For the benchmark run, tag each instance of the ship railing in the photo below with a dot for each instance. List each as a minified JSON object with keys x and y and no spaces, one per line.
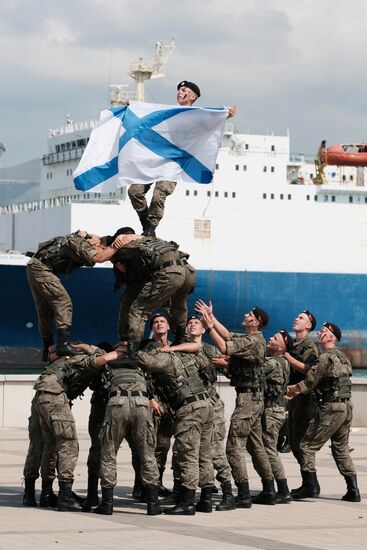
{"x":71,"y":127}
{"x":70,"y":154}
{"x":57,"y":202}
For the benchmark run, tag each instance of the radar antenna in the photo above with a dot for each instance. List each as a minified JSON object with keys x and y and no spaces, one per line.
{"x":152,"y":68}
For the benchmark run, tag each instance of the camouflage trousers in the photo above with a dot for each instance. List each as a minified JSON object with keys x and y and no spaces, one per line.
{"x":172,"y":284}
{"x":58,"y":433}
{"x":331,"y":421}
{"x":300,"y":414}
{"x":33,"y":462}
{"x":53,"y":303}
{"x":245,"y":434}
{"x":164,"y":433}
{"x":192,"y":449}
{"x":128,"y":296}
{"x":95,"y":423}
{"x":128,"y":418}
{"x":220,"y":461}
{"x":153,"y":213}
{"x":272,"y":420}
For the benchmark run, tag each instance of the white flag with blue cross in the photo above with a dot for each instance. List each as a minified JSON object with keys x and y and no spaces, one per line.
{"x":147,"y":142}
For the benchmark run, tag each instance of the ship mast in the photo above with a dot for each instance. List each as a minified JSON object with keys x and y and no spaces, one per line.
{"x":143,"y":70}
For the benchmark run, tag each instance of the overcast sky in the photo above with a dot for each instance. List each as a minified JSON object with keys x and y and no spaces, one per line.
{"x":286,"y":64}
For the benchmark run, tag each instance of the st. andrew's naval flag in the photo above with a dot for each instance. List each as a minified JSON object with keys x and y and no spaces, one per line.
{"x":147,"y":142}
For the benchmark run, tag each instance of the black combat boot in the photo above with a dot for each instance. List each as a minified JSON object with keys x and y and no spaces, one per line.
{"x":267,"y":495}
{"x":48,"y":499}
{"x":106,"y":506}
{"x":186,"y":506}
{"x":243,"y":499}
{"x":153,"y":508}
{"x":66,"y":502}
{"x":63,"y":347}
{"x":149,"y":229}
{"x":205,"y":503}
{"x":228,"y":502}
{"x":352,"y":494}
{"x":162,"y":491}
{"x":29,"y":497}
{"x":137,"y":489}
{"x":308,"y":488}
{"x":215,"y":490}
{"x":92,"y":499}
{"x":143,"y":216}
{"x":47,"y":342}
{"x":283,"y":495}
{"x":174,"y":497}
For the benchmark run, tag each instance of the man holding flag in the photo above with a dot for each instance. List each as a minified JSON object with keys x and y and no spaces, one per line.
{"x":141,"y":143}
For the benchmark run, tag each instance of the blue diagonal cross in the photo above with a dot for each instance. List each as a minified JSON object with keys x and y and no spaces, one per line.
{"x":141,"y":130}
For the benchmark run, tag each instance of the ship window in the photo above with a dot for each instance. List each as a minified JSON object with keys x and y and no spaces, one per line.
{"x":272,"y":196}
{"x":217,"y":166}
{"x":264,"y":169}
{"x":81,"y":142}
{"x":246,"y":145}
{"x":233,"y":195}
{"x":195,"y":193}
{"x":365,"y":199}
{"x":281,"y":196}
{"x":326,"y":198}
{"x":311,"y":176}
{"x":244,"y":168}
{"x":73,"y":144}
{"x":332,"y":198}
{"x":344,"y":177}
{"x":187,"y":192}
{"x":350,"y":199}
{"x":202,"y":229}
{"x":225,"y":194}
{"x":264,"y":195}
{"x":216,"y":194}
{"x":272,"y":169}
{"x":273,"y":147}
{"x":308,"y":197}
{"x":208,"y":193}
{"x":68,"y":145}
{"x":289,"y":197}
{"x":351,"y":177}
{"x":237,"y":167}
{"x":315,"y":197}
{"x":62,"y":146}
{"x":57,"y":148}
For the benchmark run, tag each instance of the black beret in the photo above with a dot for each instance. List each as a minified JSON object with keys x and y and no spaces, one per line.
{"x":158,"y":314}
{"x":288,"y":340}
{"x":194,"y":87}
{"x":198,"y":317}
{"x":261,"y":315}
{"x":311,"y":317}
{"x":334,"y":329}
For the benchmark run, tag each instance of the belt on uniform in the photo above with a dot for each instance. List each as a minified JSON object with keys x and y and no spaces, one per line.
{"x":338,"y":400}
{"x":128,"y":393}
{"x":40,"y":392}
{"x":274,"y":402}
{"x":193,"y":398}
{"x":248,"y":390}
{"x":174,"y":262}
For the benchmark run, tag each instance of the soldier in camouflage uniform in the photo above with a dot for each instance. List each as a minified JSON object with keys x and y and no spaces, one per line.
{"x":177,"y":376}
{"x":330,"y":379}
{"x":304,"y":355}
{"x":60,"y":255}
{"x":276,"y":381}
{"x":208,"y":373}
{"x":187,"y":94}
{"x":246,"y":371}
{"x":128,"y":416}
{"x":63,"y":380}
{"x":170,"y":278}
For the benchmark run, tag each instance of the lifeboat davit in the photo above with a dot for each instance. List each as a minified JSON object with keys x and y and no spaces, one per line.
{"x":343,"y":154}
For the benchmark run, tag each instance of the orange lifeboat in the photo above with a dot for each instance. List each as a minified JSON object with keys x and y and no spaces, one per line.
{"x":343,"y":155}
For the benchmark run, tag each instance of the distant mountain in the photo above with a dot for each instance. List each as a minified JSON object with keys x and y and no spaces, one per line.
{"x":25,"y":172}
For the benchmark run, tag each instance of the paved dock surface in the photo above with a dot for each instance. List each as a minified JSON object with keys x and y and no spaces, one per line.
{"x":324,"y":523}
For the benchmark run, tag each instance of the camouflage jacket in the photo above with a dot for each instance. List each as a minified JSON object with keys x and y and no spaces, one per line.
{"x":306,"y":351}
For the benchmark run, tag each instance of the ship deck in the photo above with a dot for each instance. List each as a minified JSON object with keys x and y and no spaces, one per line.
{"x":324,"y":523}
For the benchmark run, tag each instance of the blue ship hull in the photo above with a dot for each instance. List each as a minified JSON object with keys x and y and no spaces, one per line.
{"x":334,"y":297}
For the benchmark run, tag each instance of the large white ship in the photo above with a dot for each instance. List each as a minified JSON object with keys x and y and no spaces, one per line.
{"x":262,"y":233}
